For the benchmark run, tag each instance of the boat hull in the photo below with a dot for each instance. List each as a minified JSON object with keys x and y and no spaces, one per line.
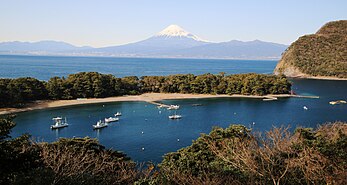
{"x":99,"y":127}
{"x":175,"y":117}
{"x":57,"y":127}
{"x":111,"y":120}
{"x":337,"y":102}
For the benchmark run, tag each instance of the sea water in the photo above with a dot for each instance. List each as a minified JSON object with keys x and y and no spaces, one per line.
{"x":144,"y":132}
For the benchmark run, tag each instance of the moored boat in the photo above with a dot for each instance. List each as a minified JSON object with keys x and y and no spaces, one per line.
{"x":100,"y":124}
{"x":59,"y":123}
{"x":175,"y":116}
{"x":118,"y":114}
{"x":337,"y":102}
{"x":111,"y":119}
{"x":173,"y":107}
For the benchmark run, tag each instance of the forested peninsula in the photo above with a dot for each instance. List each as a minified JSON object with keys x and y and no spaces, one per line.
{"x":17,"y":92}
{"x":320,"y":55}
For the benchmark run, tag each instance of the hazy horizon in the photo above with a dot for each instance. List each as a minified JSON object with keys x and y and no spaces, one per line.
{"x":109,"y":23}
{"x":132,"y":42}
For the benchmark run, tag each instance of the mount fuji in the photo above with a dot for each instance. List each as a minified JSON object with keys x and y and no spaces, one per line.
{"x":172,"y":42}
{"x":171,"y":38}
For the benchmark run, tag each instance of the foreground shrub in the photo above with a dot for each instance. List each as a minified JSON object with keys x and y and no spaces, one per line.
{"x":238,"y":156}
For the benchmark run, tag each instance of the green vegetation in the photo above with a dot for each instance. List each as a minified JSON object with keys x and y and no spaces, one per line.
{"x":95,"y":85}
{"x":21,"y":90}
{"x":247,"y":84}
{"x":234,"y":155}
{"x":320,"y":54}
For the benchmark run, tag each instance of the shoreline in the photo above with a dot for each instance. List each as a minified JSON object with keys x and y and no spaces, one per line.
{"x":317,"y":78}
{"x":147,"y":97}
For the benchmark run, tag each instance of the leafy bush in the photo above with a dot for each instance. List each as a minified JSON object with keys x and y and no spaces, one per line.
{"x":236,"y":155}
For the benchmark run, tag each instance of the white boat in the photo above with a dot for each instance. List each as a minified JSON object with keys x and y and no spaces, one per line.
{"x":100,"y":124}
{"x":118,"y":114}
{"x":111,"y":119}
{"x":337,"y":102}
{"x":175,"y":116}
{"x":59,"y":123}
{"x":173,"y":107}
{"x":305,"y":108}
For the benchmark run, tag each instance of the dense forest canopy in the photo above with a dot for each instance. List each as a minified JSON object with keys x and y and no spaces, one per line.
{"x":96,"y":85}
{"x":235,"y":155}
{"x":320,"y":54}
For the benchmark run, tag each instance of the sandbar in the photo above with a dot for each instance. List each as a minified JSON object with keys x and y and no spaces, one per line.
{"x":147,"y":97}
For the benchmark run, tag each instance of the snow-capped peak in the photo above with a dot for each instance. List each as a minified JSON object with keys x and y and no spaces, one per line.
{"x":173,"y":31}
{"x":177,"y":31}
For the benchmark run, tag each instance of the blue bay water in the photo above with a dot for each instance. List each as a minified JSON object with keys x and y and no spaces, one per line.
{"x":45,"y":67}
{"x":160,"y":134}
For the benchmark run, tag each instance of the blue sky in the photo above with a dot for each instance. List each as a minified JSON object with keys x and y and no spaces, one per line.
{"x":113,"y":22}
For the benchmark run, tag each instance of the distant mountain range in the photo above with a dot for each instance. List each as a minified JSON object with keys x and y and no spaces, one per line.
{"x":172,"y":42}
{"x":42,"y":46}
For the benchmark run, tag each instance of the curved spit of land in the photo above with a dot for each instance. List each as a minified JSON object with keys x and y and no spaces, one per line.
{"x":152,"y":98}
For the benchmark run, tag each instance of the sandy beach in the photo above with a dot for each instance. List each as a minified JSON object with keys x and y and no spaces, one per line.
{"x":326,"y":78}
{"x":317,"y":77}
{"x":148,"y":97}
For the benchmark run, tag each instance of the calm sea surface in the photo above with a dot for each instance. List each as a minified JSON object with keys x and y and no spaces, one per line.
{"x":161,"y":135}
{"x":43,"y":67}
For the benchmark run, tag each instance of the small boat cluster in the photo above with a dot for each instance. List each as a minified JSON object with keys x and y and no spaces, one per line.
{"x":104,"y":123}
{"x":59,"y":122}
{"x":171,"y":107}
{"x":174,"y":116}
